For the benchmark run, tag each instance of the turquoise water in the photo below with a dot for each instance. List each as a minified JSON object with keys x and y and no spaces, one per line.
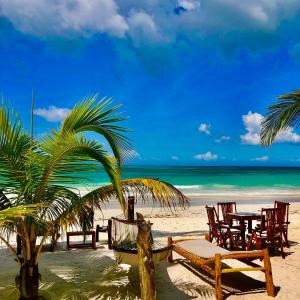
{"x":197,"y":179}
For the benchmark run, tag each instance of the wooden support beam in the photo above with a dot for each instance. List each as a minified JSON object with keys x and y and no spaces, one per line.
{"x":268,"y":273}
{"x":170,"y":243}
{"x":218,"y":274}
{"x":109,"y":229}
{"x":130,"y":209}
{"x":145,"y":259}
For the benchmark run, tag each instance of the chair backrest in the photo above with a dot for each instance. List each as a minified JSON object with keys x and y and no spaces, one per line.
{"x":213,"y":219}
{"x":283,"y":211}
{"x":226,"y":207}
{"x":269,"y":220}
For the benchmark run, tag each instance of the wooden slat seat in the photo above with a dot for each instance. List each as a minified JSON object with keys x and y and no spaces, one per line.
{"x":201,"y":248}
{"x":209,"y":257}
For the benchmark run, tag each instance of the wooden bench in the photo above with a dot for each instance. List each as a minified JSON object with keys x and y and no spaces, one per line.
{"x":91,"y":244}
{"x":204,"y":254}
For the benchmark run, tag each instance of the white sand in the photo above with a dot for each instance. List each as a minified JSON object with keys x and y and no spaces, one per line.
{"x":93,"y":274}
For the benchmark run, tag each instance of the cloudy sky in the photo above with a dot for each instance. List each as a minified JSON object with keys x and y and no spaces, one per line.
{"x":194,"y":76}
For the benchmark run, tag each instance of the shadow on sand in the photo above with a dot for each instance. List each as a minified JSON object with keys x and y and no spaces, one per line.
{"x":89,"y":274}
{"x":232,"y":283}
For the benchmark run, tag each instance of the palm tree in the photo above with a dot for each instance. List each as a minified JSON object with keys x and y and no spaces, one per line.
{"x":41,"y":173}
{"x":281,"y":116}
{"x":38,"y":172}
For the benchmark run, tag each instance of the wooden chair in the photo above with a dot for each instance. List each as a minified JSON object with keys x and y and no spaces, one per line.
{"x":224,"y":208}
{"x":283,"y":219}
{"x":268,"y":232}
{"x":221,"y":232}
{"x":203,"y":254}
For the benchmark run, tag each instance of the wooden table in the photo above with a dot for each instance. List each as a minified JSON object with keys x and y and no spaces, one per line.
{"x":242,"y":217}
{"x":91,"y":244}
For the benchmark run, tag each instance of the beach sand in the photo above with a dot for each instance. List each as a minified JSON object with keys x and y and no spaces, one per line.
{"x":93,"y":274}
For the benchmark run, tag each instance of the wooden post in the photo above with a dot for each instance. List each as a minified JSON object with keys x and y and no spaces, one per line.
{"x":218,"y":282}
{"x":94,"y":240}
{"x":97,"y":233}
{"x":268,"y":273}
{"x":145,"y":259}
{"x":109,"y":228}
{"x":19,"y":245}
{"x":68,"y":241}
{"x":130,"y":209}
{"x":170,"y":243}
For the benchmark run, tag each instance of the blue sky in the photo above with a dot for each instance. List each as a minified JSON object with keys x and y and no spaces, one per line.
{"x":194,"y":76}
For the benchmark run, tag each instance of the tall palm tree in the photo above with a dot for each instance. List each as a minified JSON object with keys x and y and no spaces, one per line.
{"x":42,"y":172}
{"x":281,"y":116}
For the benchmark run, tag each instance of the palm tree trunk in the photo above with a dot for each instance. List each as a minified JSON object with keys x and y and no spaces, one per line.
{"x":28,"y":281}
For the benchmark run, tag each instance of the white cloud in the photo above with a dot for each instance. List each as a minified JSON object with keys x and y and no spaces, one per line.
{"x":142,"y":28}
{"x":262,"y":158}
{"x":206,"y":156}
{"x":223,"y":138}
{"x":239,"y":24}
{"x":252,"y":123}
{"x":188,"y":4}
{"x":52,"y":113}
{"x":64,"y":17}
{"x":174,"y":157}
{"x":204,"y":128}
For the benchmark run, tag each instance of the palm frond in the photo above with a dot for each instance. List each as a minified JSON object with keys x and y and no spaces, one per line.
{"x":14,"y":145}
{"x":93,"y":115}
{"x":64,"y":154}
{"x":144,"y":189}
{"x":281,"y":116}
{"x":11,"y":214}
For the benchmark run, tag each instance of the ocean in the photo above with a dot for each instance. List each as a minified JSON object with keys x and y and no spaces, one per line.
{"x":197,"y":181}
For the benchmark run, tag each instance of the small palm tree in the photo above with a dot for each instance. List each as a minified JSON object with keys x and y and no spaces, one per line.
{"x":36,"y":177}
{"x":38,"y":172}
{"x":281,"y":116}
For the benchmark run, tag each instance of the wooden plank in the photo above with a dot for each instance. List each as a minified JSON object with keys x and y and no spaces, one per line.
{"x":231,"y":270}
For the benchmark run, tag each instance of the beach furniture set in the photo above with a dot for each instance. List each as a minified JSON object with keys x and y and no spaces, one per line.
{"x":200,"y":252}
{"x":230,"y":228}
{"x":227,"y":229}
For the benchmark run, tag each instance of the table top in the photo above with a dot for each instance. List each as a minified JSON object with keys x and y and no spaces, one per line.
{"x":244,"y":214}
{"x":80,"y":232}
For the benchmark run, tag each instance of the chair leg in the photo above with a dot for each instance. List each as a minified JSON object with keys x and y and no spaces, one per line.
{"x":281,"y":246}
{"x":218,"y":273}
{"x":170,"y":243}
{"x":234,"y":240}
{"x":210,"y":236}
{"x":258,"y":242}
{"x":286,"y":239}
{"x":249,"y":246}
